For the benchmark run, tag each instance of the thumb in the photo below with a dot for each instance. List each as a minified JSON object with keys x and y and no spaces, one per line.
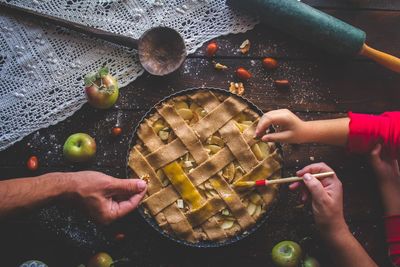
{"x":314,"y":186}
{"x":129,"y":186}
{"x":126,"y":206}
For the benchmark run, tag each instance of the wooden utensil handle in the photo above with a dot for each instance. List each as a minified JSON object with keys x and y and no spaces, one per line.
{"x":384,"y":59}
{"x":297,"y":179}
{"x":90,"y":31}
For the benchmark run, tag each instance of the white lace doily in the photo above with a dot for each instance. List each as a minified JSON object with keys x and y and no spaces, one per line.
{"x":41,"y":66}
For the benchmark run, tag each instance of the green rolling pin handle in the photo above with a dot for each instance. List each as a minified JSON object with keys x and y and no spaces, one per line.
{"x":384,"y":59}
{"x":317,"y":28}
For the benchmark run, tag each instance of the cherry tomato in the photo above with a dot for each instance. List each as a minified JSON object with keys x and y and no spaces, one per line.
{"x":116,"y":131}
{"x":32,"y":163}
{"x":119,"y":236}
{"x":211,"y":49}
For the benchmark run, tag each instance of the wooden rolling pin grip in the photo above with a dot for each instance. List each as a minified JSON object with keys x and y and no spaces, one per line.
{"x":384,"y":59}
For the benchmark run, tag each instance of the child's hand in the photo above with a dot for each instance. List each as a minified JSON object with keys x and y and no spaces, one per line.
{"x":388,"y":177}
{"x":291,"y":128}
{"x":384,"y":167}
{"x":327,"y":198}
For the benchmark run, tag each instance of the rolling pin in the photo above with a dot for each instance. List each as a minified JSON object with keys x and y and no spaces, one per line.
{"x":316,"y":27}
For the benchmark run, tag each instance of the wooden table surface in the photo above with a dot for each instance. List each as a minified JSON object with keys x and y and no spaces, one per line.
{"x":322,"y":87}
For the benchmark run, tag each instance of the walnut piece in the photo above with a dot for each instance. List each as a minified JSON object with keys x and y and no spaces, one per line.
{"x":245,"y":47}
{"x":236,"y":88}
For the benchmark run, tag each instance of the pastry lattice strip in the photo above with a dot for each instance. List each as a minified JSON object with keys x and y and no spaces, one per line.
{"x":157,"y":158}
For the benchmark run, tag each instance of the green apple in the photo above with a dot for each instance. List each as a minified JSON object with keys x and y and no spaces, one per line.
{"x":100,"y":259}
{"x":79,"y":147}
{"x":310,"y":262}
{"x":286,"y":254}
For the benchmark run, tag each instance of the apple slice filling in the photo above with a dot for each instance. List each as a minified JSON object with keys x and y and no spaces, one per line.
{"x":176,"y":173}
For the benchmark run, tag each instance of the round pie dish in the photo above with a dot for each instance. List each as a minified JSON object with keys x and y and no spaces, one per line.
{"x":192,"y":148}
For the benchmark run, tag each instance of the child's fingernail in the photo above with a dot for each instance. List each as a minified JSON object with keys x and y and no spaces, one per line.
{"x":307,"y":177}
{"x":141,"y":185}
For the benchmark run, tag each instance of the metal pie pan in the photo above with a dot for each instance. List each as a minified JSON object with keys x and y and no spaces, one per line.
{"x":152,"y":222}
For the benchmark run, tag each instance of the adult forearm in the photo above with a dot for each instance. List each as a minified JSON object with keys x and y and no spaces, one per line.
{"x":24,"y":193}
{"x":331,"y":132}
{"x":346,"y":250}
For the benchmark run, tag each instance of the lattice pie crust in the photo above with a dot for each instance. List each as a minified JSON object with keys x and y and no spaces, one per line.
{"x":192,"y":151}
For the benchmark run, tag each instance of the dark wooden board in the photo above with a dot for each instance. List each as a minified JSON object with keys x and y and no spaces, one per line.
{"x":381,"y":28}
{"x":321,"y":87}
{"x":360,"y":189}
{"x":315,"y":85}
{"x":252,"y":251}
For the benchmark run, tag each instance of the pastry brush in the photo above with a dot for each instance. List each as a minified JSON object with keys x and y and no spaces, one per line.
{"x":262,"y":183}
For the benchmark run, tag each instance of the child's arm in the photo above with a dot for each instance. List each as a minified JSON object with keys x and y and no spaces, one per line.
{"x":368,"y":130}
{"x":327,"y":205}
{"x":388,"y":178}
{"x":359,"y":132}
{"x":291,"y":129}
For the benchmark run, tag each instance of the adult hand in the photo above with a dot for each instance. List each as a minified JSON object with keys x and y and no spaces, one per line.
{"x":106,"y":198}
{"x":327,"y":197}
{"x":290,"y":128}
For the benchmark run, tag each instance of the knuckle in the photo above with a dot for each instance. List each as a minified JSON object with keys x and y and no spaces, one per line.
{"x":325,"y":166}
{"x":311,"y":168}
{"x":129,"y":185}
{"x":322,"y":164}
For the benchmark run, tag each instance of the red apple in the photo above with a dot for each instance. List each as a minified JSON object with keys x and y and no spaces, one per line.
{"x":79,"y":147}
{"x":101,"y":89}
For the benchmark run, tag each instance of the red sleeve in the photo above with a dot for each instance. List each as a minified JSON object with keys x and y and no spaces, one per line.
{"x":392,"y":225}
{"x":367,"y":130}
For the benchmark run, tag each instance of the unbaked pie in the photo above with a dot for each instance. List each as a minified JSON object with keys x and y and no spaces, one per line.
{"x":192,"y":151}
